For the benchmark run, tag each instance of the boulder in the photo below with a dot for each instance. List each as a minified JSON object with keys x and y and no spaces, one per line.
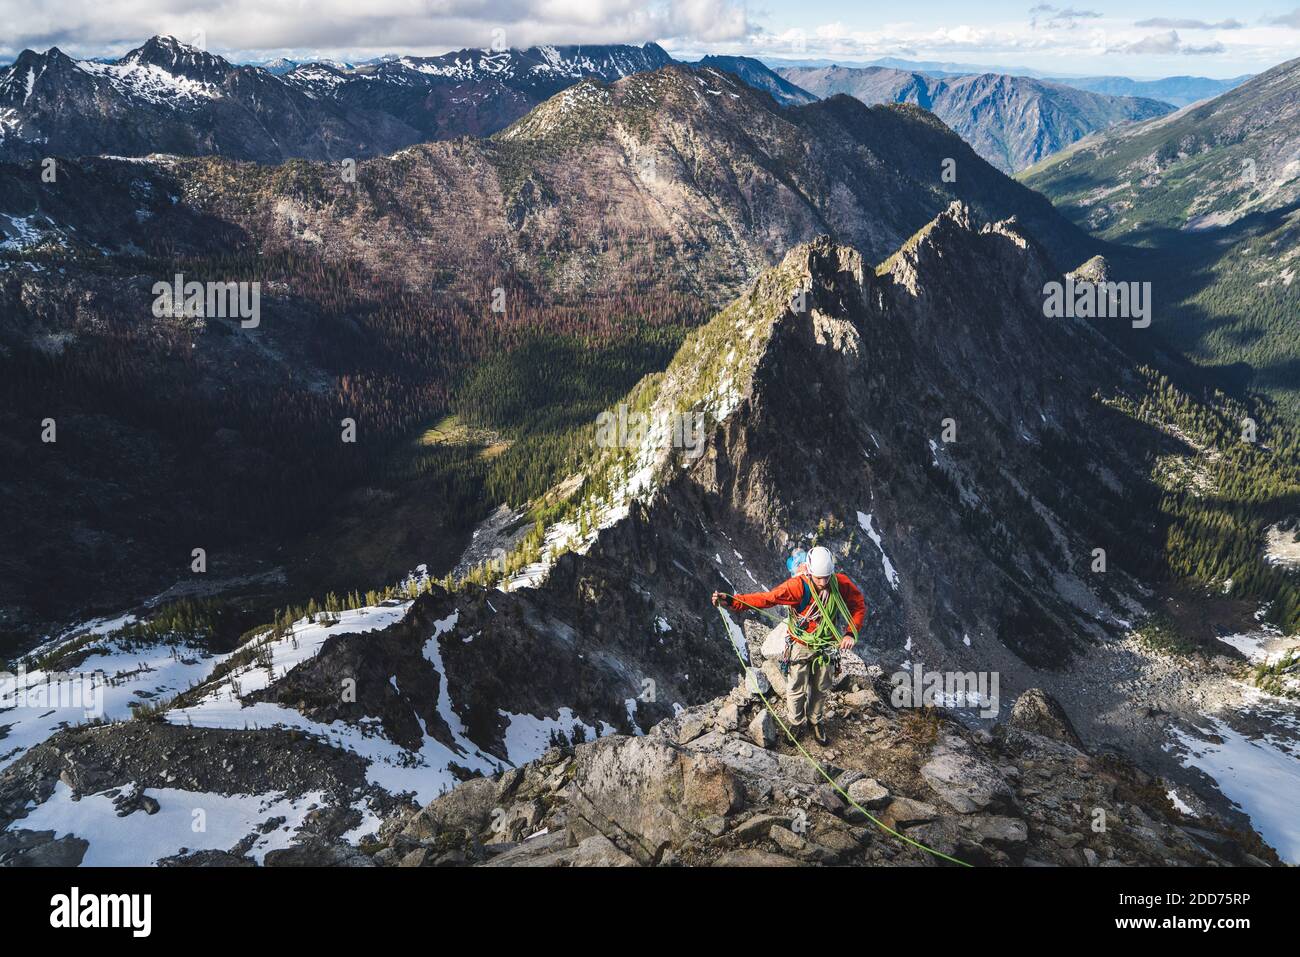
{"x":774,"y":643}
{"x":542,"y":851}
{"x":728,"y":718}
{"x":762,"y":730}
{"x":710,"y":787}
{"x":647,"y":795}
{"x":599,"y":851}
{"x":519,"y":821}
{"x":902,"y":812}
{"x":420,"y":857}
{"x":758,"y":826}
{"x":964,"y":781}
{"x":773,"y":671}
{"x":467,"y":807}
{"x":862,"y":698}
{"x":869,"y":793}
{"x":999,"y":830}
{"x":691,"y":727}
{"x":796,"y":846}
{"x":1038,"y":712}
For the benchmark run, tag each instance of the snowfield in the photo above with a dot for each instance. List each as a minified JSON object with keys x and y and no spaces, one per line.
{"x":131,"y":673}
{"x":1261,"y":776}
{"x":186,"y":820}
{"x":126,"y":677}
{"x":425,"y":772}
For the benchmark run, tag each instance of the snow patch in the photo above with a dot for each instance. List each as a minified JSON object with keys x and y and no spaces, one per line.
{"x":891,"y":575}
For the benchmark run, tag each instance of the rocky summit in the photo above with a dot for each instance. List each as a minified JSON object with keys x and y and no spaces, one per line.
{"x":715,"y":786}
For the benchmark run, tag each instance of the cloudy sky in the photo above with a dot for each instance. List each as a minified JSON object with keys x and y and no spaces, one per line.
{"x":1133,"y":38}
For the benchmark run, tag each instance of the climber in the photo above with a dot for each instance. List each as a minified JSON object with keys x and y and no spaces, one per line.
{"x":818,"y":595}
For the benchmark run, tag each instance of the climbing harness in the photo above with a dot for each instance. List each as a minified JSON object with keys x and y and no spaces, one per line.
{"x":823,"y":638}
{"x":727,"y":625}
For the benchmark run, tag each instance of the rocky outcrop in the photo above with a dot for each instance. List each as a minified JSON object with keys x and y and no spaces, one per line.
{"x":697,"y":790}
{"x":1038,"y":712}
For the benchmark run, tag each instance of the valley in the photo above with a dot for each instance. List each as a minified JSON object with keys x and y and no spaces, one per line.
{"x":1205,"y":201}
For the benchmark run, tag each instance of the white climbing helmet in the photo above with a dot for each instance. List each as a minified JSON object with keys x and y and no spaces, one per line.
{"x":821,"y":563}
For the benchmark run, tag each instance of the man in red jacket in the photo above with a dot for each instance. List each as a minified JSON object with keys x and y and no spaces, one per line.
{"x":808,"y":680}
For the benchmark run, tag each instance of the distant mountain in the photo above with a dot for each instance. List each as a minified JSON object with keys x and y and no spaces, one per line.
{"x":469,"y":92}
{"x":278,"y":66}
{"x":761,"y":77}
{"x":1211,"y":193}
{"x":930,"y":67}
{"x":1011,"y":121}
{"x":168,"y":97}
{"x":1176,"y":90}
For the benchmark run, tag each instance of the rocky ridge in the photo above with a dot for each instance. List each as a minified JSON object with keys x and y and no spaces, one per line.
{"x":719,"y":785}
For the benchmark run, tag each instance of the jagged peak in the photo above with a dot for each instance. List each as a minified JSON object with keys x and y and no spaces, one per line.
{"x":32,"y":60}
{"x":825,"y":263}
{"x":952,"y":231}
{"x":710,"y":377}
{"x":177,"y":57}
{"x":1095,"y":269}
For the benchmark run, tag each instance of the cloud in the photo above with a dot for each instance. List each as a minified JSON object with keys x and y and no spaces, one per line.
{"x":1291,"y":20}
{"x":1163,"y":44}
{"x":1067,"y":17}
{"x":1176,"y":23}
{"x":95,"y":27}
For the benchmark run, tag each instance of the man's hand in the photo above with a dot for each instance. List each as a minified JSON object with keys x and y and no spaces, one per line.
{"x":719,"y":597}
{"x":846,"y":643}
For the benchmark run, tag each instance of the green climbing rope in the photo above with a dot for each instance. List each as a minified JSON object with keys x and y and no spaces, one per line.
{"x":824,"y":640}
{"x":808,"y":757}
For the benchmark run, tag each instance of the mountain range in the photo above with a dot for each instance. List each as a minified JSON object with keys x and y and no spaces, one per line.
{"x":1011,"y":121}
{"x":1174,"y":90}
{"x":167,"y":97}
{"x":691,"y":174}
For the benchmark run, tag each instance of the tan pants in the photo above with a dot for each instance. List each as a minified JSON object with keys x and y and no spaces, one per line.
{"x":806,"y":687}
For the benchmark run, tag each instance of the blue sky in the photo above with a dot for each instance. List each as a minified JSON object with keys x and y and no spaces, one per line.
{"x":1135,"y":38}
{"x":1139,"y":38}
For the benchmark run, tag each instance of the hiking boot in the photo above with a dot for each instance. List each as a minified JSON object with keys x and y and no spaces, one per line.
{"x":819,"y":735}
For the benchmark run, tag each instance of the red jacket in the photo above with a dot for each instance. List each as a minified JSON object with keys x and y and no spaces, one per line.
{"x":791,"y":592}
